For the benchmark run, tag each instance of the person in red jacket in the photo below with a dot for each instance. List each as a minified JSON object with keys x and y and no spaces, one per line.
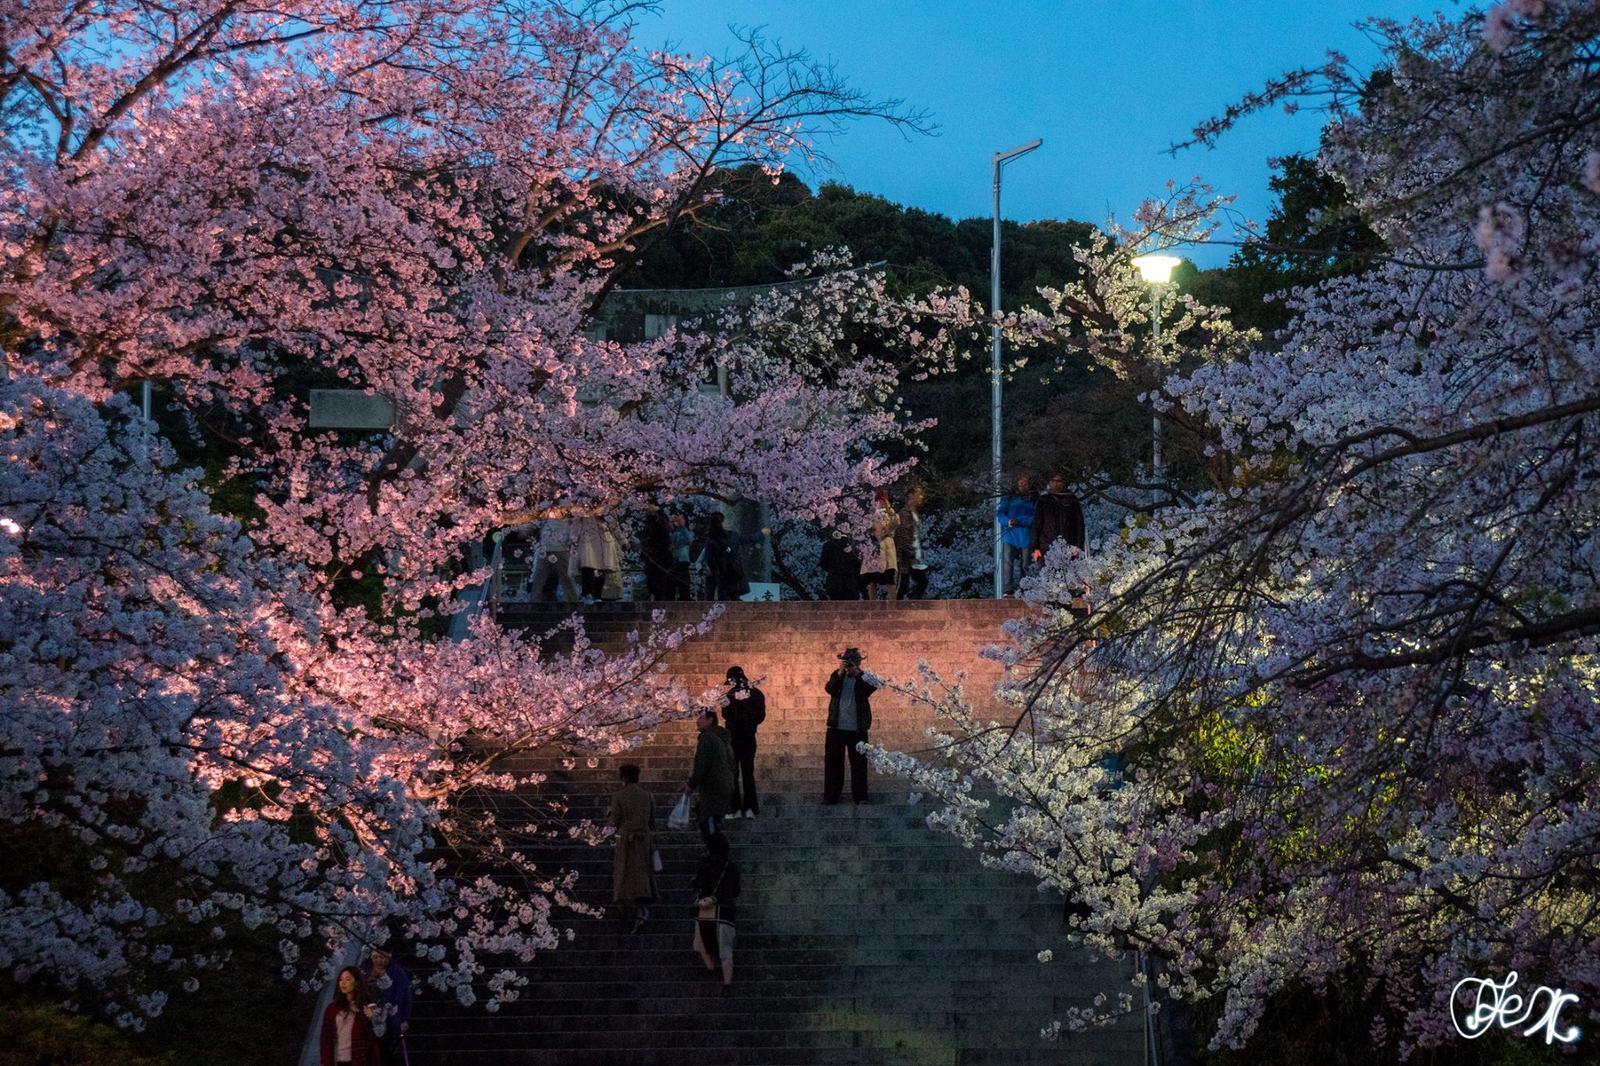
{"x":349,"y":1035}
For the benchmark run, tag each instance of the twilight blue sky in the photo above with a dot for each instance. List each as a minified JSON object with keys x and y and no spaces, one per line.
{"x":1108,"y":84}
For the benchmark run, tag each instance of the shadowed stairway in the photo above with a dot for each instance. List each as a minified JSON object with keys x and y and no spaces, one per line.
{"x":863,"y":936}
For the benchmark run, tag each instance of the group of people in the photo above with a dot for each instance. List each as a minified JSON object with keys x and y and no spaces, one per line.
{"x":367,"y":1020}
{"x":1030,"y":523}
{"x":581,"y":555}
{"x":588,"y":547}
{"x":894,"y":566}
{"x":723,"y":786}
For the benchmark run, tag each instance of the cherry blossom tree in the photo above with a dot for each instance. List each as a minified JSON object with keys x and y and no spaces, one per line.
{"x":1334,"y":722}
{"x":426,"y":201}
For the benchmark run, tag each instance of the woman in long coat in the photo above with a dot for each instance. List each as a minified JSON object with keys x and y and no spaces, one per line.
{"x":594,"y":553}
{"x":880,"y":568}
{"x":633,"y":876}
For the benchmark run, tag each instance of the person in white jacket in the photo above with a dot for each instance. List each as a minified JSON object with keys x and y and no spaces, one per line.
{"x":594,"y":553}
{"x":554,"y":558}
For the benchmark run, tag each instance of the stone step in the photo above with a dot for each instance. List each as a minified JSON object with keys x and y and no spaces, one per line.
{"x":669,"y":1016}
{"x":664,"y":998}
{"x":866,"y":968}
{"x":864,"y":937}
{"x":726,"y":1036}
{"x":1108,"y":1048}
{"x":828,"y":1031}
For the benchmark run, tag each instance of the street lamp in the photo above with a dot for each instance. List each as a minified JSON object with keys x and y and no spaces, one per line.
{"x":1156,"y":270}
{"x":1000,"y":160}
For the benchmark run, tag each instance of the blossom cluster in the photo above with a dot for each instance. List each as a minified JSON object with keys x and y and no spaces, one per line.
{"x":1336,"y":721}
{"x":427,"y":202}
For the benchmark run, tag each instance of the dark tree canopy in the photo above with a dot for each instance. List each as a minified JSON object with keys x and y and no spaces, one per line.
{"x":759,"y":228}
{"x":1312,"y":234}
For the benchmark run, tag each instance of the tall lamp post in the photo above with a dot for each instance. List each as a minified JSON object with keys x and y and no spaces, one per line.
{"x":1000,"y":160}
{"x":1156,"y":270}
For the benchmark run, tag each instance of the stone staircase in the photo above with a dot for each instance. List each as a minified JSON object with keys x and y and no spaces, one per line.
{"x":864,"y":938}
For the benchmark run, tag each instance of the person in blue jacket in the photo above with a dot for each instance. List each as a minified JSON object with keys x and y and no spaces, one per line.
{"x":1016,"y":530}
{"x":390,"y":987}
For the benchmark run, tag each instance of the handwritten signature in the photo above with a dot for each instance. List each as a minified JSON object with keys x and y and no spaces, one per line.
{"x":1495,"y":1005}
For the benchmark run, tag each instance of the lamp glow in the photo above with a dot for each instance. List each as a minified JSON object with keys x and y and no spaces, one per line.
{"x":1156,"y":269}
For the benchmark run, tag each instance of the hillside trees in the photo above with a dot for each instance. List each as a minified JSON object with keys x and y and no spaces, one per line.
{"x":1313,"y":234}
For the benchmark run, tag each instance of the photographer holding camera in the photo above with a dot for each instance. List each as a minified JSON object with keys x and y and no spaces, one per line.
{"x":849,"y":719}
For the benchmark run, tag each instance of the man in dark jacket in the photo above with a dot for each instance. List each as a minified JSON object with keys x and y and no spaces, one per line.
{"x":842,"y":567}
{"x":744,"y":708}
{"x":713,"y":773}
{"x":655,"y":550}
{"x":849,"y":719}
{"x":1057,"y":516}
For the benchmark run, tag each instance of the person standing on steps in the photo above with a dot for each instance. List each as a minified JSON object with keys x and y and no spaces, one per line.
{"x":744,"y":708}
{"x":555,"y":547}
{"x":908,"y":546}
{"x":390,"y":987}
{"x":712,"y":779}
{"x":655,"y":551}
{"x":633,"y":884}
{"x":594,"y":553}
{"x":841,"y":566}
{"x":1059,"y":516}
{"x":1016,"y":514}
{"x":352,"y":1024}
{"x":849,"y":718}
{"x":716,"y":888}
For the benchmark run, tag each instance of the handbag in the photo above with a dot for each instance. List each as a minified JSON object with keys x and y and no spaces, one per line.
{"x":705,"y":908}
{"x":681,"y":817}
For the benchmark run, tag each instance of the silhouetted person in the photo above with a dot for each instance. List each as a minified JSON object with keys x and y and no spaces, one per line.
{"x":744,"y":708}
{"x":655,"y":550}
{"x":725,"y":578}
{"x":716,"y":891}
{"x":633,"y":877}
{"x":841,"y":567}
{"x":682,"y":538}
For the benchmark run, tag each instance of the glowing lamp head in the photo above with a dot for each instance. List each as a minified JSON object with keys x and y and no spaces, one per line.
{"x":1156,"y":269}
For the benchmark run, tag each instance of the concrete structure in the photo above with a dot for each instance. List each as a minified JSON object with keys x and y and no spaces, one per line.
{"x":349,"y":409}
